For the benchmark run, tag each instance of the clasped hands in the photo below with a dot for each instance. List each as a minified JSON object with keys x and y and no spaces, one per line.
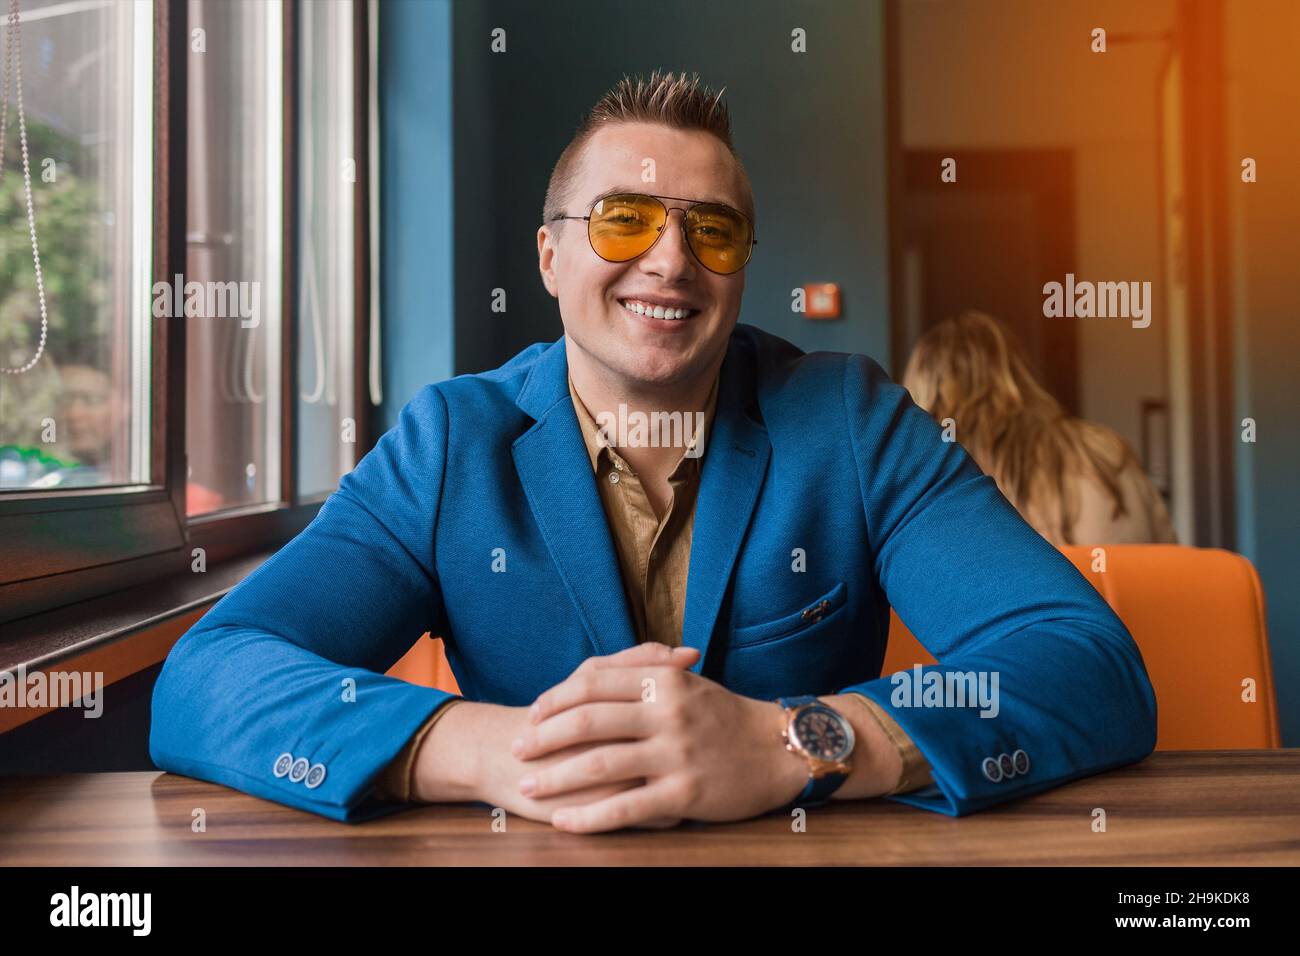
{"x":636,"y":739}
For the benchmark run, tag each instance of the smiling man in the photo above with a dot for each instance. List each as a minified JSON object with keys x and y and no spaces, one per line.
{"x":660,"y":624}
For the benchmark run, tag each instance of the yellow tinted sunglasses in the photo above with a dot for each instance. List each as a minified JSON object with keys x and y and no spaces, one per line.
{"x":622,"y":226}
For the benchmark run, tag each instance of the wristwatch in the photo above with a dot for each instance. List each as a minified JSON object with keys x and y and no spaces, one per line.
{"x":825,"y":738}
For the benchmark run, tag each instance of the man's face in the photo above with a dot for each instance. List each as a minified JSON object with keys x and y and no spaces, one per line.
{"x":629,"y":349}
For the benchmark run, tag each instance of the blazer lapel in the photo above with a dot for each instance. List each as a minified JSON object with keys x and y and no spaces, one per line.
{"x":556,"y":474}
{"x":735,"y":460}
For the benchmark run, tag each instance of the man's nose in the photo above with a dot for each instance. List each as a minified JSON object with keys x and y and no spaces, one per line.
{"x":670,"y":258}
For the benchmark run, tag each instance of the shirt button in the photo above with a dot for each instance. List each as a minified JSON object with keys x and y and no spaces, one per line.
{"x":618,"y":465}
{"x":613,"y":477}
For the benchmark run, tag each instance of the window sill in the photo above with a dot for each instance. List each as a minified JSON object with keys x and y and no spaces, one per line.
{"x":53,"y":638}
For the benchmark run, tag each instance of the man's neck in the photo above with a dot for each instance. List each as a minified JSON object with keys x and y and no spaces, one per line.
{"x":603,"y":396}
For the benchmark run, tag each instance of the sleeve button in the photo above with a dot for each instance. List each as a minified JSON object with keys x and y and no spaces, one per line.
{"x":298,"y":770}
{"x":1021,"y":760}
{"x":992,"y":770}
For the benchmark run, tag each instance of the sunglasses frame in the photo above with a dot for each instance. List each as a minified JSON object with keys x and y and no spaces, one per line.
{"x":753,"y":239}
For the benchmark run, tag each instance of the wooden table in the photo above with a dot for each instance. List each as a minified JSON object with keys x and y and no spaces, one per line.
{"x":1175,"y":808}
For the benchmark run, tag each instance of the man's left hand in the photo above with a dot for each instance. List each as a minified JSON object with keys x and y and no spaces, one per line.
{"x":703,"y":752}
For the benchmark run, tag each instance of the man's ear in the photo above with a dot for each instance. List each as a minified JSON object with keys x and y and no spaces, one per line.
{"x":546,"y":260}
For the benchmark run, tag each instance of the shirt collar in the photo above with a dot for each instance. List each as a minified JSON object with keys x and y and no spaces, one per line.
{"x":596,"y":442}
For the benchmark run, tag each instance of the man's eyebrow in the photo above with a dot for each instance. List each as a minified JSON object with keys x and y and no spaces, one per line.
{"x":615,"y":191}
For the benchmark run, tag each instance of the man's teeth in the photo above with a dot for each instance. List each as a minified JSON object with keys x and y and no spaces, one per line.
{"x":657,"y":311}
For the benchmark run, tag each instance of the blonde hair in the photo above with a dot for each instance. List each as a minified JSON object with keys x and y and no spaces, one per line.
{"x":970,"y":370}
{"x":673,"y":100}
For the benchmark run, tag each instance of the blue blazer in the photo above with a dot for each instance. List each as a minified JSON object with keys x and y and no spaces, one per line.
{"x":822,"y":482}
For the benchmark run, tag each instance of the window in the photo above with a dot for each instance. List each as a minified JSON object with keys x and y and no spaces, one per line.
{"x":327,"y":185}
{"x":75,"y":399}
{"x":202,"y":188}
{"x":233,"y":245}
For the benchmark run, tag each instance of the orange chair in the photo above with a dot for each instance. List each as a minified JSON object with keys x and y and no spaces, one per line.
{"x":1197,"y":615}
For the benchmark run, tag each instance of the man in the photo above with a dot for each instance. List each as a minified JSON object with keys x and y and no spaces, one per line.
{"x":648,"y":631}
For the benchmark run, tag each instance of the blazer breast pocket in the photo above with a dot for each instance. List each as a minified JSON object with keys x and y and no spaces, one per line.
{"x":789,"y":625}
{"x":805,"y":651}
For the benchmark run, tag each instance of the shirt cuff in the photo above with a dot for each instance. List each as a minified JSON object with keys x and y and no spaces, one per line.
{"x":916,"y":769}
{"x":397,"y":782}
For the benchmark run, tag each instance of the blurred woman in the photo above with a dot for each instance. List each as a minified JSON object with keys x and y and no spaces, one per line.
{"x":1074,"y":481}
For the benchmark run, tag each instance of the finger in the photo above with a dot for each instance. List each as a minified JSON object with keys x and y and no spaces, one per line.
{"x":600,"y":765}
{"x":612,"y":683}
{"x":650,"y":652}
{"x":541,"y":810}
{"x":607,"y":720}
{"x":629,"y":808}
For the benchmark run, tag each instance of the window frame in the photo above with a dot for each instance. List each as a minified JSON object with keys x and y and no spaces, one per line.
{"x":128,"y":535}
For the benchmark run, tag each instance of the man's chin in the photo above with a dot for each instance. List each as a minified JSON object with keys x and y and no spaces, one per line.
{"x":655,"y":362}
{"x":655,"y":371}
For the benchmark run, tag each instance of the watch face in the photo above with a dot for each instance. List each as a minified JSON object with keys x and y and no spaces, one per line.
{"x":823,"y":733}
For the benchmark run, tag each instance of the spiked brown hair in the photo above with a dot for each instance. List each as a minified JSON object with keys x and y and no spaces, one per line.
{"x":674,"y":100}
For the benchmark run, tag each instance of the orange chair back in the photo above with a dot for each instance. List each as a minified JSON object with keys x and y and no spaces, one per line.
{"x":1197,"y":615}
{"x":426,"y":664}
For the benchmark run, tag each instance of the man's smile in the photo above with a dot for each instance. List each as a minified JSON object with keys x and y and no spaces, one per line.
{"x":661,"y":313}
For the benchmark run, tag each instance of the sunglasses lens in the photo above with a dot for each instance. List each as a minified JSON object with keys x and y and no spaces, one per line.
{"x":720,"y":236}
{"x":622,"y":227}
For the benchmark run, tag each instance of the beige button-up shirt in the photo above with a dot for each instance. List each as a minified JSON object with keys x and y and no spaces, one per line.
{"x":654,"y":554}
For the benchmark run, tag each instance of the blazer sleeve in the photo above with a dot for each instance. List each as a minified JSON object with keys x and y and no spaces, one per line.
{"x":991,"y":599}
{"x":280,"y":689}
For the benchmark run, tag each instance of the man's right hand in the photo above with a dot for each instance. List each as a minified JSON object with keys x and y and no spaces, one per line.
{"x":467,"y":755}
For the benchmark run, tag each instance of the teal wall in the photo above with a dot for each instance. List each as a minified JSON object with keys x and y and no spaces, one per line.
{"x":416,"y":278}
